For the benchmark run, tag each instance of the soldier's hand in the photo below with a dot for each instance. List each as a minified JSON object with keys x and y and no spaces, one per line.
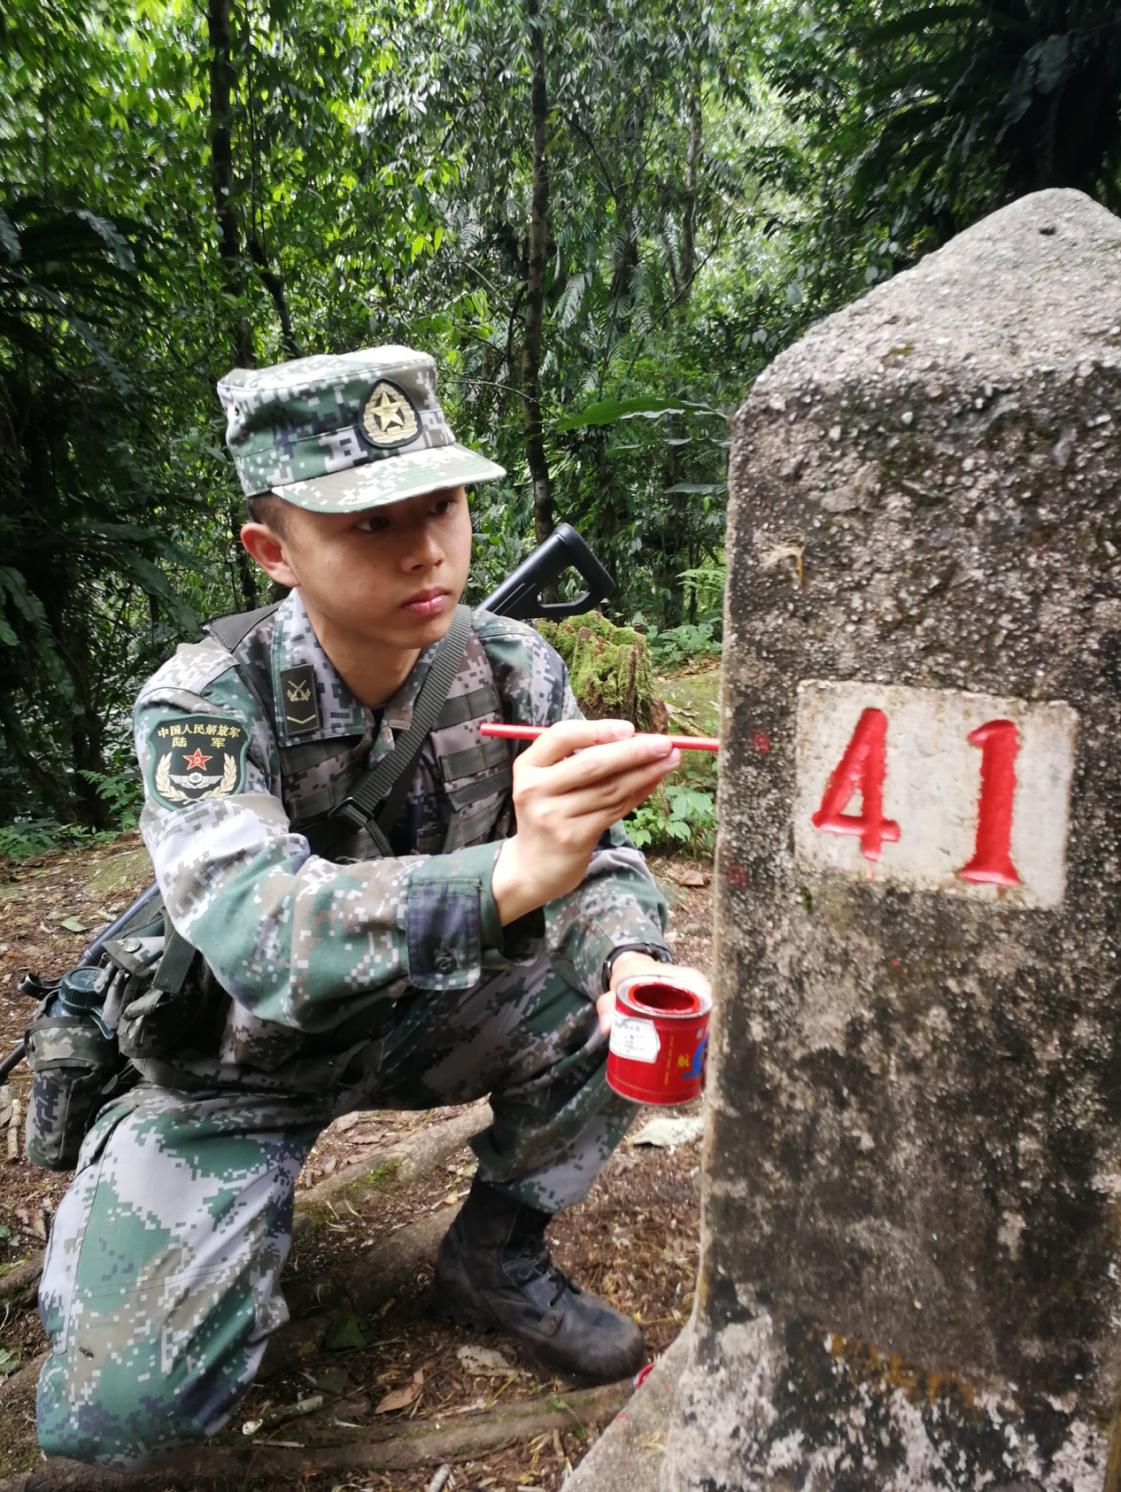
{"x":628,"y":965}
{"x":572,"y":784}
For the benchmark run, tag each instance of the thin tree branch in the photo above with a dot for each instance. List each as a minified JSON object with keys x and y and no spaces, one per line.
{"x":275,"y":287}
{"x":574,"y":124}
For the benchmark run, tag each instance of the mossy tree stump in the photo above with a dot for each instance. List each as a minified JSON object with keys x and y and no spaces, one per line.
{"x":609,"y":668}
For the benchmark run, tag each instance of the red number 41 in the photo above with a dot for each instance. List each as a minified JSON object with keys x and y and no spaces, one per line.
{"x":862,"y":770}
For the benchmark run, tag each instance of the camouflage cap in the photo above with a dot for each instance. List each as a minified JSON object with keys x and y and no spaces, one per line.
{"x":339,"y":433}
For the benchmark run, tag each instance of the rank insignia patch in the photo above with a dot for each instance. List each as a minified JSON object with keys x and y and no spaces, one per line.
{"x":195,"y":757}
{"x":300,"y":698}
{"x":388,"y":416}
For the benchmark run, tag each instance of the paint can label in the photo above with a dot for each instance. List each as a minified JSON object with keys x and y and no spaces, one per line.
{"x":634,"y":1038}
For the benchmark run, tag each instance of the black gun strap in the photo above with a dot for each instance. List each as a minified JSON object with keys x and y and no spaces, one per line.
{"x":388,"y":783}
{"x":386,"y":786}
{"x":175,"y":963}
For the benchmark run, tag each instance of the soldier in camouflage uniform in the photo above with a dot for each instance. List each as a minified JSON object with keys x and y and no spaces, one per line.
{"x":469,"y":962}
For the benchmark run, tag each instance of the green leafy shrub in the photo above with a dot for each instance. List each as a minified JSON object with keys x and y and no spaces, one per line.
{"x":678,"y":645}
{"x":676,"y":817}
{"x":121,"y":792}
{"x":30,"y":837}
{"x":25,"y":838}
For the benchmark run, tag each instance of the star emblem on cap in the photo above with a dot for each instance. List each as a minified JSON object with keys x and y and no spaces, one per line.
{"x":388,"y":410}
{"x":196,"y":761}
{"x":389,"y":417}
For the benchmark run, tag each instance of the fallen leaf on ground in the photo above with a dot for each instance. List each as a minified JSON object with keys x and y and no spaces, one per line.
{"x":484,"y":1360}
{"x":401,"y":1398}
{"x":685,"y":875}
{"x":668,"y":1133}
{"x":333,"y":1379}
{"x":73,"y":924}
{"x":344,"y":1333}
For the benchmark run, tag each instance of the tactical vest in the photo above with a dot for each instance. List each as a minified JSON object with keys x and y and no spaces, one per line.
{"x":151,"y":1007}
{"x":459,"y":796}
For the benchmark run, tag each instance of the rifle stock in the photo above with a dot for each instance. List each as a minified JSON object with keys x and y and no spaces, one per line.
{"x":519,"y":595}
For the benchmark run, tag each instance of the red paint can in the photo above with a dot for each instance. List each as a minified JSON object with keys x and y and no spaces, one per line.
{"x":659,"y":1037}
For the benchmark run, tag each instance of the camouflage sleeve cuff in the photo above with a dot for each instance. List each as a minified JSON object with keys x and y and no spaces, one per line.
{"x":453,"y":930}
{"x":617,"y":904}
{"x":592,"y":958}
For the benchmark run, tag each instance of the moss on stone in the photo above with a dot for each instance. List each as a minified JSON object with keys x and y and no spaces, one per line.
{"x":609,"y":668}
{"x":374,"y":1180}
{"x":317,"y":1216}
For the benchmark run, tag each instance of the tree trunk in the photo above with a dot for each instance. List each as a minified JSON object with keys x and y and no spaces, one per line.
{"x":677,"y":531}
{"x":688,"y":265}
{"x":535,"y":286}
{"x":18,"y":745}
{"x":230,"y":261}
{"x":246,"y":576}
{"x":222,"y":175}
{"x":87,"y":754}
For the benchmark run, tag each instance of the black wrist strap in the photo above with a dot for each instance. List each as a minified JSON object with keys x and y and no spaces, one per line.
{"x":661,"y":954}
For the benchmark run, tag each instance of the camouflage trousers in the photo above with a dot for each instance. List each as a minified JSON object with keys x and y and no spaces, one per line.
{"x":162,"y":1278}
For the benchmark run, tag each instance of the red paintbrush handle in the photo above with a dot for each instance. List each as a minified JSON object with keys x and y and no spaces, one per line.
{"x":531,"y":732}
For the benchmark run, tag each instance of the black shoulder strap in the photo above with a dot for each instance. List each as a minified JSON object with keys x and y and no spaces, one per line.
{"x":231,"y":631}
{"x":388,"y":783}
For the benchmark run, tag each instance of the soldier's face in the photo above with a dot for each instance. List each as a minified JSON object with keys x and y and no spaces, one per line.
{"x":391,"y":575}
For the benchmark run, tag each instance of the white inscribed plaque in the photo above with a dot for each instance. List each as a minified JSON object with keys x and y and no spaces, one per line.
{"x":635,"y":1039}
{"x":938,"y":789}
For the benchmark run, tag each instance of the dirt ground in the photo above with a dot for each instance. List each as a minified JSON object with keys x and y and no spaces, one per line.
{"x":634,"y":1241}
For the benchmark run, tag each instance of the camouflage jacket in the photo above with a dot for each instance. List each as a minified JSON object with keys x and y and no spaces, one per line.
{"x":307,"y":950}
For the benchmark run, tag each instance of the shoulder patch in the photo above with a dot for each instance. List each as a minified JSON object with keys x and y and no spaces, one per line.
{"x":301,"y":701}
{"x":195,"y":757}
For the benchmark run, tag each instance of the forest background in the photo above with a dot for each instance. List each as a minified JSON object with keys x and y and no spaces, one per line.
{"x":603,"y":218}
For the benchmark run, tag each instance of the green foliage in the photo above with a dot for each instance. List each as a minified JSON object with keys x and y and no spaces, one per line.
{"x":676,"y":645}
{"x":718,"y":176}
{"x":705,"y":587}
{"x":345,"y":1333}
{"x":914,"y":120}
{"x":122,"y":793}
{"x":27,"y":839}
{"x":676,"y":817}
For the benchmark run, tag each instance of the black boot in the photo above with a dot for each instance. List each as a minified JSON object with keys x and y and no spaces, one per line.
{"x":493,"y":1272}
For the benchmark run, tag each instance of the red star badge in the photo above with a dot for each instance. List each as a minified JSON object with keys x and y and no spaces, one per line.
{"x":196,"y":761}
